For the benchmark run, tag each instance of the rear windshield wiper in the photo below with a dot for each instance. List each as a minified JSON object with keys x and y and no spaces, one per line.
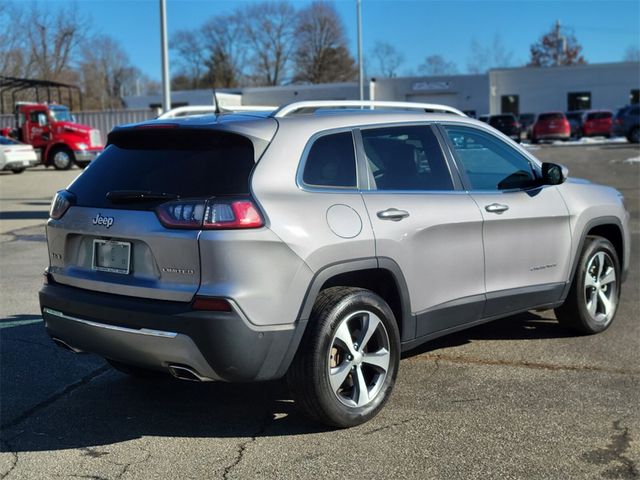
{"x":129,"y":196}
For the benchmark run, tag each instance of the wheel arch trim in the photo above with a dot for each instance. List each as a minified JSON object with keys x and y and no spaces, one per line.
{"x":596,"y":222}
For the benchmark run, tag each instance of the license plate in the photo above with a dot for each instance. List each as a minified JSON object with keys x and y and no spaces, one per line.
{"x":111,"y":256}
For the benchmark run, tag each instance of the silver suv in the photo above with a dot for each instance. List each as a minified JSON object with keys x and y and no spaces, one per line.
{"x":319,"y":242}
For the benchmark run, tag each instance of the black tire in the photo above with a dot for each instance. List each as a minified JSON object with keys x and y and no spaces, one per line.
{"x":61,"y":158}
{"x":574,"y":313}
{"x":134,"y":371}
{"x":17,"y":170}
{"x":321,"y":350}
{"x":534,"y":140}
{"x":634,"y":135}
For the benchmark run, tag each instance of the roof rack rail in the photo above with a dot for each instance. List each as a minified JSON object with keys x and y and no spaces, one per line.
{"x":290,"y":108}
{"x":190,"y":110}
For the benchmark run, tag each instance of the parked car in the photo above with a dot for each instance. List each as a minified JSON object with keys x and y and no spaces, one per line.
{"x":627,"y":123}
{"x":16,"y":156}
{"x":550,"y":126}
{"x":575,"y":122}
{"x":507,"y":124}
{"x":597,"y":123}
{"x":526,"y":122}
{"x":318,"y":247}
{"x":484,"y":118}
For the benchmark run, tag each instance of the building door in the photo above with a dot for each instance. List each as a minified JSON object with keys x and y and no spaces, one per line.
{"x":578,"y":101}
{"x":510,"y":104}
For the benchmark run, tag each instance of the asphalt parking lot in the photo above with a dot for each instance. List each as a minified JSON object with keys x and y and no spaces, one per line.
{"x":517,"y":398}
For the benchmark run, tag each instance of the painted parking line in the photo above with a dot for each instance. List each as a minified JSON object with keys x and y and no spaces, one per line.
{"x":18,"y":323}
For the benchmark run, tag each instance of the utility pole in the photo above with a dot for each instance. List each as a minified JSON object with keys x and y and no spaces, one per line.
{"x":166,"y":87}
{"x":360,"y":66}
{"x":561,"y":44}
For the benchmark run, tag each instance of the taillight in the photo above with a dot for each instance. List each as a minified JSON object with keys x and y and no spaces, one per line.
{"x":212,"y":214}
{"x":61,"y":202}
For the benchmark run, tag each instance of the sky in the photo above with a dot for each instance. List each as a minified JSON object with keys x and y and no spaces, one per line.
{"x":418,"y":28}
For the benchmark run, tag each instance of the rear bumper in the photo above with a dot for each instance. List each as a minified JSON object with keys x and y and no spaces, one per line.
{"x":11,"y":164}
{"x":158,"y":334}
{"x":86,"y":155}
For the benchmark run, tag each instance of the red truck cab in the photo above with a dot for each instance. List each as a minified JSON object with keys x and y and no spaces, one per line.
{"x":52,"y":130}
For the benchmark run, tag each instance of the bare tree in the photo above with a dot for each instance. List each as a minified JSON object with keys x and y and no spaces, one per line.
{"x":190,"y":56}
{"x":226,"y":41}
{"x":106,"y":72}
{"x":12,"y":60}
{"x":437,"y":65}
{"x":322,"y":54}
{"x":632,"y":54}
{"x":52,"y":41}
{"x":484,"y":58}
{"x":556,"y":48}
{"x":270,"y":28}
{"x":389,"y":59}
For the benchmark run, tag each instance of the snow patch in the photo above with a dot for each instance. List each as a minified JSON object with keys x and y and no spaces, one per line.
{"x":632,"y":160}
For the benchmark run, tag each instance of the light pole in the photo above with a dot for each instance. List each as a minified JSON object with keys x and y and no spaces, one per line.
{"x":166,"y":87}
{"x":360,"y":66}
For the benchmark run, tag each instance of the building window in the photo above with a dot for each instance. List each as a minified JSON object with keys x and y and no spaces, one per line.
{"x":634,"y":96}
{"x":578,"y":101}
{"x":510,"y":104}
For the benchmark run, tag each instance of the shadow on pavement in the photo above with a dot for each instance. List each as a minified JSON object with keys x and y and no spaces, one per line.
{"x":524,"y":326}
{"x":28,"y":215}
{"x":110,"y":407}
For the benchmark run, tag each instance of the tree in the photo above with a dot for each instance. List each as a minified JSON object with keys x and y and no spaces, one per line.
{"x":106,"y":73}
{"x":322,"y":54}
{"x":632,"y":54}
{"x":484,"y":58}
{"x":188,"y":45}
{"x":270,"y":29}
{"x":226,"y":40}
{"x":556,"y":48}
{"x":389,"y":59}
{"x":52,"y":40}
{"x":437,"y":65}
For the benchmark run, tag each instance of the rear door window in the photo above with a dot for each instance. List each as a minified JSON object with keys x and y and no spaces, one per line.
{"x":405,"y":158}
{"x":331,"y":162}
{"x":185,"y":163}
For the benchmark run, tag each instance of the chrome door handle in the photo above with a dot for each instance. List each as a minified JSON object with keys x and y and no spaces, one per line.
{"x":392,"y":214}
{"x":496,"y":208}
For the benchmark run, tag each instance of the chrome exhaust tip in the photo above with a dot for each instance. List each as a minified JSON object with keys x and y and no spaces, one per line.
{"x":183,"y":372}
{"x":65,"y":345}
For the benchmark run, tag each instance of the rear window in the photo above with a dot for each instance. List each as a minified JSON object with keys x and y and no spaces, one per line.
{"x":502,"y":120}
{"x":187,"y":163}
{"x":545,"y":117}
{"x":598,"y":115}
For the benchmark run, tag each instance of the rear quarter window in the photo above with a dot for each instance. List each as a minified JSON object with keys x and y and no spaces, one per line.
{"x":331,"y":162}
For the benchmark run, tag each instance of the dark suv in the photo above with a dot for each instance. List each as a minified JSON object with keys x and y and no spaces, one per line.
{"x":627,"y":123}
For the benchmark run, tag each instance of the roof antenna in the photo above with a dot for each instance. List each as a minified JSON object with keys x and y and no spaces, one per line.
{"x":215,"y":103}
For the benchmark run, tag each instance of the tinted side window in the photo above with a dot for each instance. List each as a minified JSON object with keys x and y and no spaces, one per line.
{"x":490,"y":163}
{"x":331,"y":162}
{"x":406,"y":158}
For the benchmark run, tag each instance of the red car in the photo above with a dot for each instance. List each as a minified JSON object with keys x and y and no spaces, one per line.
{"x":551,"y":126}
{"x":597,"y":122}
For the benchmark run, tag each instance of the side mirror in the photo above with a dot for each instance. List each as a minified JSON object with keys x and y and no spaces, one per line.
{"x":554,"y":174}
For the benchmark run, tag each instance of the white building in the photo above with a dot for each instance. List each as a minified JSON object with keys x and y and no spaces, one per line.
{"x":512,"y":90}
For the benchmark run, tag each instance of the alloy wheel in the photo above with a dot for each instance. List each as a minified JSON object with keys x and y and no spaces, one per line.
{"x":600,"y":287}
{"x":359,"y":359}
